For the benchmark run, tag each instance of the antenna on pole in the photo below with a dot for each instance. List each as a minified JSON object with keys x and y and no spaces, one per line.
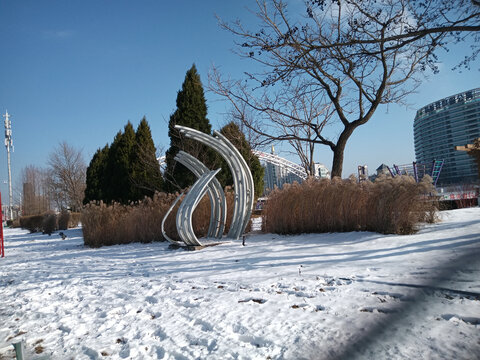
{"x":8,"y":145}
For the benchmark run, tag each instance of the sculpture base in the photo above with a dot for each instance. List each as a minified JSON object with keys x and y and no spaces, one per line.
{"x":195,"y":247}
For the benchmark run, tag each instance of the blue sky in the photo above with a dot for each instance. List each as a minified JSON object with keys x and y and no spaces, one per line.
{"x":77,"y":71}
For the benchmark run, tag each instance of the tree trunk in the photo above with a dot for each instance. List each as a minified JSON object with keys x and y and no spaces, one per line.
{"x":339,"y":149}
{"x":337,"y":165}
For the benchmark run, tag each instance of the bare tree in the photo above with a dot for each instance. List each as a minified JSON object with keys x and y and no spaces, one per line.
{"x":355,"y":54}
{"x":294,"y":114}
{"x":36,"y":196}
{"x":67,"y":173}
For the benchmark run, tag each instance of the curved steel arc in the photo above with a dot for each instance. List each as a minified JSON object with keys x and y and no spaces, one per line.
{"x":164,"y":233}
{"x":250,"y":191}
{"x":188,"y":205}
{"x":198,"y":170}
{"x":215,"y":192}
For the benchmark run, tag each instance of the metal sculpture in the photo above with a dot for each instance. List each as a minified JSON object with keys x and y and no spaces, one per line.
{"x":206,"y":182}
{"x":188,"y":205}
{"x":218,"y":202}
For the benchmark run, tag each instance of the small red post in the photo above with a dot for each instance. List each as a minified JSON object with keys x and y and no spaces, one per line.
{"x":2,"y":248}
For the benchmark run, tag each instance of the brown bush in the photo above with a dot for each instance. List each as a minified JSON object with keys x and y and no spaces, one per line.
{"x":49,"y":223}
{"x":75,"y":219}
{"x":46,"y":223}
{"x":63,"y":220}
{"x":141,"y":222}
{"x":388,"y":206}
{"x":15,"y":223}
{"x":68,"y":220}
{"x":32,"y":223}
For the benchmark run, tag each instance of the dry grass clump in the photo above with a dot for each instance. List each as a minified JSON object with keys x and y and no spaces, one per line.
{"x":388,"y":206}
{"x":32,"y":223}
{"x":123,"y":224}
{"x":46,"y":222}
{"x":49,"y":223}
{"x":63,"y":220}
{"x":68,"y":219}
{"x":141,"y":222}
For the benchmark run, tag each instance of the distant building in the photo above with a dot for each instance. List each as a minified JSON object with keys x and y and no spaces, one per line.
{"x":362,"y":173}
{"x":280,"y":171}
{"x":321,"y":171}
{"x":444,"y":124}
{"x":382,"y":169}
{"x":277,"y":174}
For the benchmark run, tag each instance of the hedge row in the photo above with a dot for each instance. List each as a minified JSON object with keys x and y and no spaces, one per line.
{"x":50,"y":222}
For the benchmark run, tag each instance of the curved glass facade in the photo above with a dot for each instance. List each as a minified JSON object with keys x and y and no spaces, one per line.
{"x":444,"y":124}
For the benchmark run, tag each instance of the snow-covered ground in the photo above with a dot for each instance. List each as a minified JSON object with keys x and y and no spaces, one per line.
{"x":315,"y":296}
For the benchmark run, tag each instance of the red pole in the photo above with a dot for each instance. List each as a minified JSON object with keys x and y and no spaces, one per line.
{"x":2,"y":248}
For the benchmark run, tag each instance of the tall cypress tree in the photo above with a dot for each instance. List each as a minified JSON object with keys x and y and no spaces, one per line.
{"x":118,"y":185}
{"x":192,"y":112}
{"x":146,"y":175}
{"x":96,"y":175}
{"x":233,"y":133}
{"x":108,"y":191}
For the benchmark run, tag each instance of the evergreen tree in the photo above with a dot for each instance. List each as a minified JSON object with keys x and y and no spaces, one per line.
{"x":232,"y":132}
{"x":146,"y":175}
{"x":118,"y":185}
{"x":108,"y":191}
{"x":192,"y":112}
{"x":96,"y":176}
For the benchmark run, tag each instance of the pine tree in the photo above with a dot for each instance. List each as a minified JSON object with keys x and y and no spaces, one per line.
{"x":146,"y":175}
{"x":118,"y":185}
{"x":192,"y":112}
{"x":108,"y":191}
{"x":96,"y":176}
{"x":233,"y":133}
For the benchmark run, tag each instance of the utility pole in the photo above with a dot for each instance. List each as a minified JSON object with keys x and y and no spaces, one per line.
{"x":8,"y":145}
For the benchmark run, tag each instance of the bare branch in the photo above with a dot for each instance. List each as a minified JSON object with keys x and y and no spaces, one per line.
{"x":349,"y":55}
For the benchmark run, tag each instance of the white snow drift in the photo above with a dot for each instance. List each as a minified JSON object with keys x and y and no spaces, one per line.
{"x":315,"y":296}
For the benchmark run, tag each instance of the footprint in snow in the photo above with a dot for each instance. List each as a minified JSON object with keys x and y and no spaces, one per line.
{"x":151,"y":300}
{"x":204,"y":325}
{"x":160,"y":334}
{"x":256,"y":341}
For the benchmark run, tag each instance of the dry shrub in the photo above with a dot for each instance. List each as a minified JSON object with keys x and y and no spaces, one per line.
{"x":68,"y":220}
{"x":388,"y":206}
{"x":32,"y":223}
{"x":75,"y":218}
{"x":49,"y":223}
{"x":46,"y":223}
{"x":63,"y":220}
{"x":15,"y":223}
{"x":141,"y":221}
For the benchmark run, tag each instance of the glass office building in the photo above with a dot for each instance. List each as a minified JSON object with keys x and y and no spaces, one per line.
{"x":444,"y":124}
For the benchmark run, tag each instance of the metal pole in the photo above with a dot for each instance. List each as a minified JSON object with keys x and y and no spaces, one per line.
{"x":10,"y":197}
{"x":8,"y":144}
{"x":19,"y":350}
